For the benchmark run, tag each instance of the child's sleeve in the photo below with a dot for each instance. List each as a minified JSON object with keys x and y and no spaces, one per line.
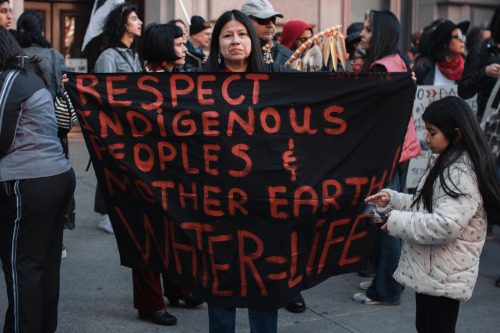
{"x":449,"y":217}
{"x":399,"y":201}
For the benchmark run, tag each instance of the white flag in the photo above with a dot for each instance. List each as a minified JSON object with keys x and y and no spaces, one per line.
{"x":99,"y":13}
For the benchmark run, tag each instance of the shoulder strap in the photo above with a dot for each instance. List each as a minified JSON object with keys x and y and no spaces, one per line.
{"x":126,"y":59}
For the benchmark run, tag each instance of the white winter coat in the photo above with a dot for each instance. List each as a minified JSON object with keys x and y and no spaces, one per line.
{"x":440,"y":255}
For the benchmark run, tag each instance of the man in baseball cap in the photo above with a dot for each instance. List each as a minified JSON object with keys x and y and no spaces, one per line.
{"x":263,"y":17}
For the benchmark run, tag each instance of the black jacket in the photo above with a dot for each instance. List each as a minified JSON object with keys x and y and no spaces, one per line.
{"x":474,"y":79}
{"x":425,"y":72}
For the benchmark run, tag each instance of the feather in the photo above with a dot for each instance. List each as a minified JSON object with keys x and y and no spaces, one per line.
{"x":333,"y":51}
{"x":341,"y":50}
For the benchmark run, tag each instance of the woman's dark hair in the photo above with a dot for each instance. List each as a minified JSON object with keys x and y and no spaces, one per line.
{"x":255,"y":58}
{"x":447,"y":115}
{"x":441,"y":53}
{"x":177,"y":21}
{"x":385,"y":36}
{"x":158,"y":43}
{"x":495,"y":25}
{"x":30,"y":30}
{"x":114,"y":26}
{"x":12,"y":56}
{"x":473,"y":37}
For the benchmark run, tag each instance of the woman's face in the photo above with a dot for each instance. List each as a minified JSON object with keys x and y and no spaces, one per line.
{"x":304,"y":36}
{"x":180,"y":51}
{"x":435,"y":139}
{"x":185,"y":34}
{"x":456,"y":46}
{"x":366,"y":34}
{"x":235,"y":44}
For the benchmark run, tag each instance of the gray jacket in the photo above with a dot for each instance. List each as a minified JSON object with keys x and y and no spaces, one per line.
{"x":118,"y":60}
{"x":29,"y":131}
{"x":53,"y":70}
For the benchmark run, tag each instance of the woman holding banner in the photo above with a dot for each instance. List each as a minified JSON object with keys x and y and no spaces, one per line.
{"x":380,"y":39}
{"x":235,"y":47}
{"x":164,"y":51}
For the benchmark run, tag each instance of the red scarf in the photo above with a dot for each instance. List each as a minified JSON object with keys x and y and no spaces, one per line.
{"x":452,"y":70}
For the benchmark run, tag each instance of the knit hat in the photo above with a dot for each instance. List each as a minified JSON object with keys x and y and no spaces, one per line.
{"x":291,"y":31}
{"x":444,"y":29}
{"x":353,"y":36}
{"x":259,"y":8}
{"x":198,"y":24}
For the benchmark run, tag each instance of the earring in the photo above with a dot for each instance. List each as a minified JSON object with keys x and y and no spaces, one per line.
{"x":219,"y":58}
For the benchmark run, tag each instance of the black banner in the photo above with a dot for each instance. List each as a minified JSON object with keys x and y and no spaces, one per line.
{"x":243,"y":187}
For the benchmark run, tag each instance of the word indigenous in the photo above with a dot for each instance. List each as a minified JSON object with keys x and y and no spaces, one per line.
{"x":244,"y":188}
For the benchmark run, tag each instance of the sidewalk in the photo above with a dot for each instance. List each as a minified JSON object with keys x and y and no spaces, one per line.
{"x":96,"y":292}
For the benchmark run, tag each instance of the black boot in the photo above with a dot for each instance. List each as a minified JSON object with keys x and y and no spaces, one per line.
{"x":161,"y":317}
{"x":297,"y":305}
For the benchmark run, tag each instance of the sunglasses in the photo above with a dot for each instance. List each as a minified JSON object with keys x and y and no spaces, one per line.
{"x":264,"y":21}
{"x":459,"y":37}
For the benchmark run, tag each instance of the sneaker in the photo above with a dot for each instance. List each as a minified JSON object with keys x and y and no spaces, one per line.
{"x":64,"y":254}
{"x":365,"y":285}
{"x":105,"y":224}
{"x":363,"y":299}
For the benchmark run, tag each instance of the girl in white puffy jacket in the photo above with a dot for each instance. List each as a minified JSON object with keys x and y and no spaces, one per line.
{"x":444,"y":224}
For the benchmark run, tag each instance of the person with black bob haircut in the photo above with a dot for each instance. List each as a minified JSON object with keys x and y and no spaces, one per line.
{"x":164,"y":51}
{"x":163,"y":47}
{"x":36,"y":186}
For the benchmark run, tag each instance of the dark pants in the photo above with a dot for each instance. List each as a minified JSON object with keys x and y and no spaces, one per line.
{"x":436,"y":314}
{"x":148,"y":295}
{"x":223,"y":320}
{"x":386,"y":252}
{"x":31,"y":228}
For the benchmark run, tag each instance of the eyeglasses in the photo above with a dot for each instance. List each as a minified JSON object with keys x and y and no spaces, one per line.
{"x":264,"y":21}
{"x":356,"y":57}
{"x":460,"y":37}
{"x":302,"y":40}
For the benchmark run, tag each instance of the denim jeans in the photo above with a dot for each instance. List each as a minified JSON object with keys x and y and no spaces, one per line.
{"x":222,"y":320}
{"x":386,"y":252}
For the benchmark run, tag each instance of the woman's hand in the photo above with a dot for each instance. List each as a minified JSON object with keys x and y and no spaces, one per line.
{"x":384,"y":227}
{"x":380,"y":199}
{"x":493,"y":70}
{"x":64,"y":80}
{"x":413,"y":77}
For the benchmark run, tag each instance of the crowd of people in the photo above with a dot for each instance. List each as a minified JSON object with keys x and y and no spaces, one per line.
{"x":458,"y":192}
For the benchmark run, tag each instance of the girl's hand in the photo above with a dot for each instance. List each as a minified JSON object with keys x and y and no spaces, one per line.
{"x":493,"y":70}
{"x":413,"y":77}
{"x":380,"y":199}
{"x":64,"y":80}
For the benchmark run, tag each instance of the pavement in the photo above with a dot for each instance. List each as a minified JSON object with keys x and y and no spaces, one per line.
{"x":96,"y":291}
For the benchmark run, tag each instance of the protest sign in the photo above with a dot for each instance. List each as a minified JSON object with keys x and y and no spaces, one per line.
{"x":243,"y":187}
{"x":424,"y":96}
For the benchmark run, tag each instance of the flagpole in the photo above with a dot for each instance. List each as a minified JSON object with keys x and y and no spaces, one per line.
{"x":185,"y":12}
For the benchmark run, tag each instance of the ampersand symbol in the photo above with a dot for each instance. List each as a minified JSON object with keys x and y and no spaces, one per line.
{"x":288,"y":159}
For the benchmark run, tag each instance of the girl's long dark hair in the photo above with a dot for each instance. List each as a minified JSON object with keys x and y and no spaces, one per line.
{"x":114,"y":25}
{"x":12,"y":56}
{"x":385,"y":36}
{"x":447,"y":115}
{"x":255,"y":58}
